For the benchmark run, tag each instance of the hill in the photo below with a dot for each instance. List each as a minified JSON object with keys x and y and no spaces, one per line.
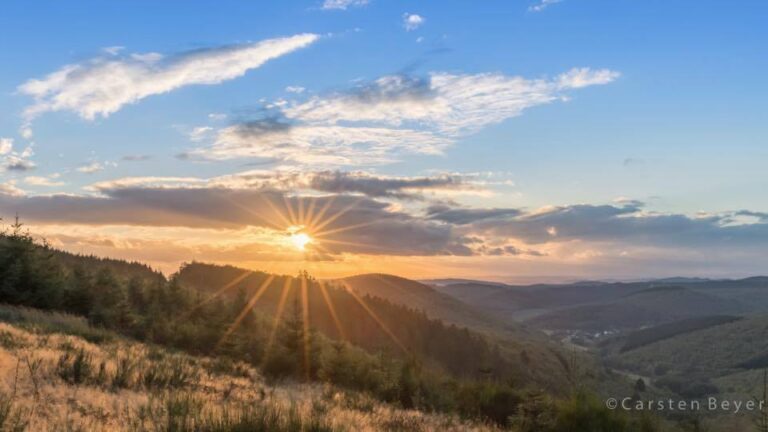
{"x":650,"y":306}
{"x":375,"y":322}
{"x":572,"y":305}
{"x":73,"y":376}
{"x":434,"y":303}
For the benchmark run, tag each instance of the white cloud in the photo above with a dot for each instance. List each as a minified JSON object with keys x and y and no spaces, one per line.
{"x":378,"y":122}
{"x":295,"y":89}
{"x":42,"y":181}
{"x":102,"y":86}
{"x":542,"y":4}
{"x":26,"y":131}
{"x":327,"y":145}
{"x":13,"y":160}
{"x":342,"y":4}
{"x":94,"y":167}
{"x":217,"y":116}
{"x":9,"y":188}
{"x":6,"y":146}
{"x":113,"y":50}
{"x":200,"y":133}
{"x":412,"y":21}
{"x":449,"y":104}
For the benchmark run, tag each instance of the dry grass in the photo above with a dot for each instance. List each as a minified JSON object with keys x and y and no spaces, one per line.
{"x":55,"y":381}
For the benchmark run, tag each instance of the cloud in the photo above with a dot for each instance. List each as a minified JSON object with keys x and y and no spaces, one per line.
{"x":384,"y":186}
{"x":14,"y":160}
{"x":295,"y":89}
{"x":135,"y":158}
{"x":412,"y":21}
{"x":328,"y":145}
{"x":447,"y":103}
{"x":343,"y":4}
{"x":102,"y":86}
{"x":9,"y":189}
{"x":6,"y":146}
{"x":93,"y":167}
{"x":337,"y":182}
{"x":379,"y":121}
{"x":43,"y":181}
{"x":200,"y":133}
{"x":385,"y":231}
{"x":626,"y":224}
{"x":542,"y":4}
{"x":463,"y":216}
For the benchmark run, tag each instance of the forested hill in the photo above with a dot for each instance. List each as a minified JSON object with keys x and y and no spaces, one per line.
{"x":435,"y":304}
{"x":376,"y":323}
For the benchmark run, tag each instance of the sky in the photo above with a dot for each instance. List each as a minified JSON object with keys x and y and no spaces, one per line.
{"x":514,"y":140}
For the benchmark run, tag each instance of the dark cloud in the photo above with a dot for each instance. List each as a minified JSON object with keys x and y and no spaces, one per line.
{"x":376,"y":186}
{"x":351,"y":224}
{"x":627,"y":224}
{"x":463,"y":216}
{"x":394,"y":88}
{"x":20,"y":166}
{"x":262,"y":126}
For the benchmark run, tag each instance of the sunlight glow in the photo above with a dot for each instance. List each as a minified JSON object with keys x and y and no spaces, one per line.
{"x":300,"y":240}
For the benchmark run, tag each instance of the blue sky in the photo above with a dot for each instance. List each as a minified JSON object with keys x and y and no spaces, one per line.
{"x":661,"y":103}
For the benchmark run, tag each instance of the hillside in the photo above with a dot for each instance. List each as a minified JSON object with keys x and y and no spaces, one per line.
{"x":434,"y":303}
{"x":389,"y":320}
{"x":610,"y":305}
{"x":646,"y":307}
{"x":76,"y":377}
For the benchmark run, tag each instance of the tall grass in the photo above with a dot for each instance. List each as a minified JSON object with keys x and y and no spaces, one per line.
{"x":53,"y":322}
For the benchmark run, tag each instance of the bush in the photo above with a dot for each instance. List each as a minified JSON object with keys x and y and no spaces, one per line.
{"x":75,"y":368}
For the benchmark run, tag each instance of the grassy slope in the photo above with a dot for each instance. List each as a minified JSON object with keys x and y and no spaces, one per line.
{"x":147,"y":388}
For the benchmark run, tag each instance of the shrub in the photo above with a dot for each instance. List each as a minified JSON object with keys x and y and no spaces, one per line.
{"x":75,"y":368}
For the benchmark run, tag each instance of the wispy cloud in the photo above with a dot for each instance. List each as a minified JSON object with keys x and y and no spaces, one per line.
{"x":18,"y":161}
{"x":412,"y":21}
{"x":447,"y":103}
{"x":43,"y":181}
{"x":102,"y":86}
{"x":342,"y":4}
{"x":379,"y":121}
{"x":542,"y":4}
{"x":94,"y":167}
{"x":136,"y":158}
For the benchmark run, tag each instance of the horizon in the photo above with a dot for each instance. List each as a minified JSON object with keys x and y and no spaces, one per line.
{"x":427,"y":140}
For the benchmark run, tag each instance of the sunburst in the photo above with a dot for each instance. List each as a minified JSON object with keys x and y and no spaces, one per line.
{"x":304,"y":230}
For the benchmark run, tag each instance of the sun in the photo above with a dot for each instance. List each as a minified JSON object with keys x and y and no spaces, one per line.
{"x":300,"y":240}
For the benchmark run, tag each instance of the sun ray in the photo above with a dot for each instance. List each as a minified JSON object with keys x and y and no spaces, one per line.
{"x":277,"y":211}
{"x":218,"y":292}
{"x":375,"y":317}
{"x":310,"y":212}
{"x":342,"y":229}
{"x":250,"y":211}
{"x":248,"y":307}
{"x":278,"y":316}
{"x":301,"y":217}
{"x":362,"y":245}
{"x":332,"y":310}
{"x":305,"y":322}
{"x":340,"y":213}
{"x":311,"y":223}
{"x":289,"y":207}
